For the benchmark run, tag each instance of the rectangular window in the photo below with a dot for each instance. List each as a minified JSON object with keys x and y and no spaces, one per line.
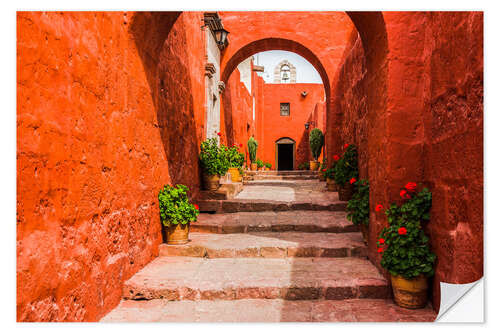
{"x":284,"y":109}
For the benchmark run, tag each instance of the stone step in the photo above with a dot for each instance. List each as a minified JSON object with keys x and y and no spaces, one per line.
{"x":300,"y":221}
{"x":281,"y":173}
{"x":267,"y":310}
{"x":188,"y":278}
{"x":254,"y":205}
{"x":279,"y":177}
{"x":269,"y":245}
{"x":284,"y":183}
{"x":224,"y":192}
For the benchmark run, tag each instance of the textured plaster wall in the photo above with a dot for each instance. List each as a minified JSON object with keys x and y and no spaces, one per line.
{"x":431,"y":129}
{"x":110,"y":108}
{"x":271,"y":126}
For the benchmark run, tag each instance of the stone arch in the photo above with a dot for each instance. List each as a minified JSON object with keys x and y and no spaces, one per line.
{"x":268,"y":44}
{"x":278,"y":69}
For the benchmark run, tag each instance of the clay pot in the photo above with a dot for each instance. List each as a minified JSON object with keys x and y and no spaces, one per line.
{"x":178,"y":234}
{"x":211,"y":182}
{"x":345,"y":192}
{"x":322,"y":176}
{"x":253,"y":166}
{"x":313,"y":165}
{"x":364,"y":232}
{"x":330,"y":185}
{"x":410,"y":293}
{"x":235,"y":174}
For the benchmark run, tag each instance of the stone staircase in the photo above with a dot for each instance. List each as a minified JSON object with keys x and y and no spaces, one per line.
{"x":278,"y":257}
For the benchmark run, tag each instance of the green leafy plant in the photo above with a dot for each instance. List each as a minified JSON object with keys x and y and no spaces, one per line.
{"x":404,"y":244}
{"x":346,"y":167}
{"x":304,"y":166}
{"x":234,"y":157}
{"x":175,"y":207}
{"x":213,"y":158}
{"x":358,"y":208}
{"x":316,"y":141}
{"x":252,"y":149}
{"x":268,"y":165}
{"x":329,"y":173}
{"x":260,"y":164}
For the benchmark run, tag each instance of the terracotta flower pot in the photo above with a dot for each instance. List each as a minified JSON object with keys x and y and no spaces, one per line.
{"x":345,"y":192}
{"x":235,"y":174}
{"x":253,"y":166}
{"x":364,"y":232}
{"x":178,"y":234}
{"x":410,"y":293}
{"x":330,"y":185}
{"x":211,"y":182}
{"x":313,"y":165}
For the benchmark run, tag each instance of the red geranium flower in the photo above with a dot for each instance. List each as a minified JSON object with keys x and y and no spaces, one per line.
{"x":411,"y":186}
{"x":352,"y":181}
{"x":323,"y":170}
{"x":346,"y":145}
{"x":380,"y":250}
{"x":219,"y":133}
{"x":378,"y":208}
{"x":381,"y":241}
{"x":241,"y":145}
{"x":402,"y":231}
{"x":404,"y":194}
{"x":196,"y":207}
{"x":336,"y":157}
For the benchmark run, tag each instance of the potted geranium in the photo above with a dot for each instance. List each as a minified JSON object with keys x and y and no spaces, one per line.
{"x":405,"y":247}
{"x":330,"y":183}
{"x":236,"y":159}
{"x":214,"y":163}
{"x":346,"y":172}
{"x":176,"y":213}
{"x":268,"y":165}
{"x":252,"y":152}
{"x":358,"y":208}
{"x":322,"y":170}
{"x":316,"y":141}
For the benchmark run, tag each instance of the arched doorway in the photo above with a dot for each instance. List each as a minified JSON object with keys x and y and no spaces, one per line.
{"x":285,"y":154}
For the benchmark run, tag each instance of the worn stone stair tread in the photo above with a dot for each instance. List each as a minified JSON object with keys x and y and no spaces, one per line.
{"x":284,"y":177}
{"x":281,"y":173}
{"x":256,"y":205}
{"x":300,"y":220}
{"x":269,"y":245}
{"x":281,"y":182}
{"x":267,"y":310}
{"x":189,"y":278}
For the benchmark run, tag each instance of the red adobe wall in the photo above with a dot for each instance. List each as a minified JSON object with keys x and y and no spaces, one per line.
{"x":107,"y":113}
{"x":271,"y":126}
{"x":432,"y":130}
{"x":237,"y":109}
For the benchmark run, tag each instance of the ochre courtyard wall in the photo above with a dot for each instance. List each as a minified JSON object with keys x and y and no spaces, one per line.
{"x":97,"y":136}
{"x":432,"y":130}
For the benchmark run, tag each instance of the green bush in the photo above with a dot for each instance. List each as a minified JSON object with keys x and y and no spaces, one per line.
{"x":304,"y":166}
{"x":403,"y":242}
{"x":252,"y":148}
{"x":329,"y":173}
{"x":316,"y":141}
{"x":234,"y":157}
{"x":260,"y":164}
{"x":268,"y":165}
{"x":358,"y":208}
{"x":346,"y":167}
{"x":175,"y":207}
{"x":213,"y":158}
